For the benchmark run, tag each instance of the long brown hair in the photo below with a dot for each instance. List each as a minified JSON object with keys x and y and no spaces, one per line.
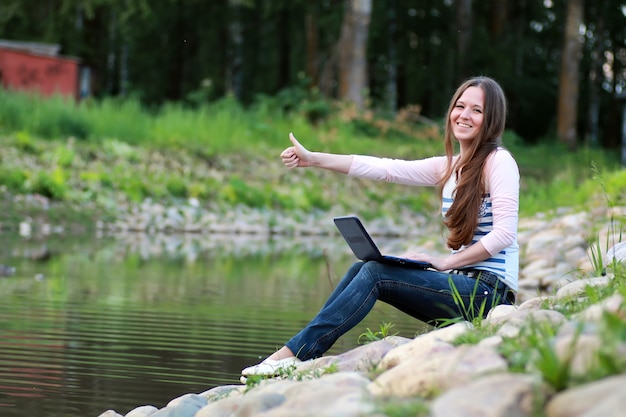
{"x":462,"y":217}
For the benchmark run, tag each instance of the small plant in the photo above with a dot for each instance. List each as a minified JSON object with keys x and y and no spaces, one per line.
{"x":595,"y":257}
{"x":611,"y":360}
{"x":310,"y":374}
{"x":596,"y":250}
{"x":52,"y":185}
{"x":369,"y":336}
{"x":254,"y":380}
{"x":290,"y":372}
{"x":533,"y":350}
{"x":414,"y":407}
{"x":64,"y":156}
{"x":555,"y":371}
{"x":13,"y":179}
{"x":468,"y":312}
{"x":26,"y":143}
{"x":177,"y":187}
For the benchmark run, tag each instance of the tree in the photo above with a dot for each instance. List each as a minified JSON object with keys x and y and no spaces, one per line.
{"x":312,"y":44}
{"x":569,"y":75}
{"x":464,"y":36}
{"x":352,"y":51}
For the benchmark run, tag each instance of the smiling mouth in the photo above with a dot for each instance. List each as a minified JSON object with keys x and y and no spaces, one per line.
{"x":464,"y":125}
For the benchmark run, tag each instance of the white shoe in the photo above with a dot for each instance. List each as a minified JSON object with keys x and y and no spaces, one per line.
{"x":270,"y":367}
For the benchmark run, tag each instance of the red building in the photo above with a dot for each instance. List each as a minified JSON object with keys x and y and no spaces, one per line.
{"x":28,"y":66}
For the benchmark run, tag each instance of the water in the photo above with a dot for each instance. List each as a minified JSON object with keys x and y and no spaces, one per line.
{"x":89,"y":324}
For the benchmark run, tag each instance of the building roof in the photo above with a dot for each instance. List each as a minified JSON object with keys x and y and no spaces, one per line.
{"x":37,"y":48}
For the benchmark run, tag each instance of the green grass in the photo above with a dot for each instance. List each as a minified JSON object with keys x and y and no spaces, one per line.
{"x":225,"y":155}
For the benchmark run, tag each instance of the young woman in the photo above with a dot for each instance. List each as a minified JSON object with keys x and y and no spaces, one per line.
{"x":479,"y":191}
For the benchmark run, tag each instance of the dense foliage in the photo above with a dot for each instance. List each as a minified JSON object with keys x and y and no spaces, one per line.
{"x":201,"y":51}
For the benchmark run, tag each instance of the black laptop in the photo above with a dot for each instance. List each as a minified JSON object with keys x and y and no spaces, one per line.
{"x":363,"y":246}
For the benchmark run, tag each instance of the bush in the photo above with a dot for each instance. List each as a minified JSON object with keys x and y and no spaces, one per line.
{"x":51,"y":185}
{"x":13,"y":179}
{"x":177,"y":187}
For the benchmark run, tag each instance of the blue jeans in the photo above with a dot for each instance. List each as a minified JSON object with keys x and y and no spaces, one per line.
{"x":424,"y":294}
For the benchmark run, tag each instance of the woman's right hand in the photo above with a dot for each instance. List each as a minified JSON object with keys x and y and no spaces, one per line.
{"x":296,"y":156}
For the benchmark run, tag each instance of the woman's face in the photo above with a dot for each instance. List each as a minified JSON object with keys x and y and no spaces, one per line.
{"x":467,"y":115}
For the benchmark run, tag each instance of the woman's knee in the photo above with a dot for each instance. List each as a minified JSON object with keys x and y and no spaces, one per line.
{"x":355,"y":268}
{"x":350,"y":274}
{"x":370,"y":271}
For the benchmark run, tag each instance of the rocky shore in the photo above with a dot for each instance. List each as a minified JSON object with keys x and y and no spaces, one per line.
{"x":560,"y":352}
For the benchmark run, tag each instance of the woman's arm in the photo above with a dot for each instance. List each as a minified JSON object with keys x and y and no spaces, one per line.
{"x":469,"y":256}
{"x":503,"y":179}
{"x":502,"y":176}
{"x":423,"y":172}
{"x":297,"y":156}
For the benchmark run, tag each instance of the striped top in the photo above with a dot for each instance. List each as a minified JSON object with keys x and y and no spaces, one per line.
{"x":499,"y":213}
{"x":504,"y":262}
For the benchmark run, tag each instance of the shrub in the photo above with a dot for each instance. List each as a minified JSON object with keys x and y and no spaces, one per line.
{"x":13,"y":179}
{"x":51,"y":185}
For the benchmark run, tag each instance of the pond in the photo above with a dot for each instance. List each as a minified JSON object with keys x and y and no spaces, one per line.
{"x":91,"y":323}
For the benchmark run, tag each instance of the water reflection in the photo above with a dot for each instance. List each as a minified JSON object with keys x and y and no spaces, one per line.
{"x":88,"y":324}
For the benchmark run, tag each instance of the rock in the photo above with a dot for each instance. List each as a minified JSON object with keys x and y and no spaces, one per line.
{"x":438,"y":371}
{"x":258,"y":403}
{"x":110,"y":413}
{"x":143,"y":411}
{"x":617,"y":253}
{"x":580,"y":351}
{"x":224,"y":391}
{"x":491,"y":342}
{"x":603,"y":398}
{"x":336,"y":395}
{"x":360,"y":359}
{"x":420,"y":347}
{"x":544,"y":240}
{"x":536,"y":268}
{"x":396,"y":341}
{"x":424,"y":344}
{"x":184,"y":406}
{"x":193,"y":399}
{"x":521,"y":317}
{"x":225,"y":407}
{"x":536,"y":303}
{"x":6,"y":270}
{"x":499,"y":313}
{"x":594,"y":312}
{"x":579,"y":287}
{"x":498,"y":395}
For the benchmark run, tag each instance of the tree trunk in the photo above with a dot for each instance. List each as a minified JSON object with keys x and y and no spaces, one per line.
{"x":352,"y":51}
{"x":464,"y":36}
{"x":233,"y":74}
{"x":498,"y":18}
{"x":519,"y":24}
{"x":391,"y":88}
{"x":595,"y":78}
{"x":312,"y":45}
{"x":284,"y":68}
{"x":111,"y":55}
{"x":568,"y":80}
